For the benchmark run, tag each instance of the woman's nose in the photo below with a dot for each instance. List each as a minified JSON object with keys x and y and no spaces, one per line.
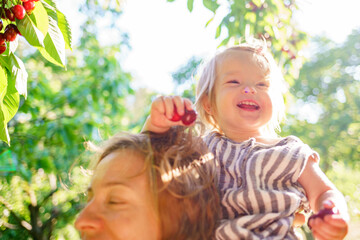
{"x":89,"y":220}
{"x":248,"y":89}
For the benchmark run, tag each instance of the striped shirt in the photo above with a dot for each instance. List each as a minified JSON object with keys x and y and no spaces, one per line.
{"x":258,"y":186}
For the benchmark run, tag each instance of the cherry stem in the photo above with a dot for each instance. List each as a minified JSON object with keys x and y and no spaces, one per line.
{"x":13,"y":2}
{"x":3,"y":8}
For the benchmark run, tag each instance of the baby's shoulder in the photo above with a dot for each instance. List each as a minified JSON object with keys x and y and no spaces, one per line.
{"x":296,"y":146}
{"x":279,"y":140}
{"x":294,"y":140}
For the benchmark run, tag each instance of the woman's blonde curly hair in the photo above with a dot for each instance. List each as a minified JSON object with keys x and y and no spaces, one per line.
{"x":182,"y":177}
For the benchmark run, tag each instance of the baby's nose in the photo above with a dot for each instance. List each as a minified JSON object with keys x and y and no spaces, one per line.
{"x":248,"y":90}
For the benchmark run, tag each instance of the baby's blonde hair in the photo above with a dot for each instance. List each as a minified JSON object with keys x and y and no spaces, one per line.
{"x":206,"y":84}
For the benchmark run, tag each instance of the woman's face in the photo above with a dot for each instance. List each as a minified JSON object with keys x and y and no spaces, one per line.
{"x":120,"y":205}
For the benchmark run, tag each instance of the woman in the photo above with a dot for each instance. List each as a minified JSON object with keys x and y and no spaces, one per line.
{"x":152,"y":186}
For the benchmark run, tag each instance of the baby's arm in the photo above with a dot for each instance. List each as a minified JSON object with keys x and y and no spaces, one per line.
{"x":162,"y":111}
{"x":322,"y":194}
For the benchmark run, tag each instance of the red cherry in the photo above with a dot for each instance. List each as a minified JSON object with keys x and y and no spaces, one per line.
{"x":10,"y":32}
{"x":29,"y":6}
{"x":19,"y":11}
{"x":176,"y":117}
{"x":2,"y":48}
{"x":2,"y":39}
{"x":17,"y":31}
{"x":1,"y":25}
{"x":10,"y":15}
{"x":25,"y":0}
{"x":189,"y":117}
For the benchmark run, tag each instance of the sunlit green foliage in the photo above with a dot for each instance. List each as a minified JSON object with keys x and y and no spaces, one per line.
{"x":45,"y":29}
{"x":327,"y":93}
{"x":93,"y":99}
{"x":65,"y":108}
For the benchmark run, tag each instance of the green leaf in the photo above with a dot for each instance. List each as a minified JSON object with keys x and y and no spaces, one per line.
{"x":218,"y":31}
{"x":61,"y":20}
{"x":65,"y":29}
{"x":190,"y":5}
{"x":40,"y":17}
{"x":224,"y":42}
{"x":30,"y":32}
{"x":19,"y":73}
{"x":5,"y":62}
{"x":170,"y":0}
{"x":208,"y":22}
{"x":54,"y":50}
{"x":50,"y":8}
{"x":9,"y":103}
{"x":211,"y":5}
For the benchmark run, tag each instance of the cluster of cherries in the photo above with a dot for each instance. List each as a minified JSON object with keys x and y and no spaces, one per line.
{"x":10,"y":14}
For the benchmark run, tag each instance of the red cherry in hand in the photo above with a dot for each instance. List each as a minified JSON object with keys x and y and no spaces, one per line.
{"x":176,"y":117}
{"x":322,"y":213}
{"x":19,"y":11}
{"x":189,"y":117}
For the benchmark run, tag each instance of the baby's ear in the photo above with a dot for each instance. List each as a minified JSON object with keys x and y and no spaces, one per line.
{"x":206,"y":104}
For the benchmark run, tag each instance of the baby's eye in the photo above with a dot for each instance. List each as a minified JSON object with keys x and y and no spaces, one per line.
{"x":233,"y":81}
{"x":263,"y":84}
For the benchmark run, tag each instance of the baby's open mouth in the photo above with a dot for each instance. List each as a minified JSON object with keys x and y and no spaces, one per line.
{"x":249,"y":105}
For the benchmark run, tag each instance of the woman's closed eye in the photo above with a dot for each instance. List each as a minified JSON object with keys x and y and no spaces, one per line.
{"x":89,"y":195}
{"x":116,"y":201}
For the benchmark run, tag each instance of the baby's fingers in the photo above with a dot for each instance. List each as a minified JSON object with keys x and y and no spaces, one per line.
{"x":322,"y":236}
{"x":181,"y":104}
{"x":158,"y":109}
{"x":175,"y":105}
{"x":188,"y":104}
{"x":337,"y":222}
{"x":324,"y":229}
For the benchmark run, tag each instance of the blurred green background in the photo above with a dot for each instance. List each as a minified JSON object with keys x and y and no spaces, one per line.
{"x":43,"y":174}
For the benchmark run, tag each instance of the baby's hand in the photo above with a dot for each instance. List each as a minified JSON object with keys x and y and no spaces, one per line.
{"x":328,"y":223}
{"x":187,"y":118}
{"x":168,"y":111}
